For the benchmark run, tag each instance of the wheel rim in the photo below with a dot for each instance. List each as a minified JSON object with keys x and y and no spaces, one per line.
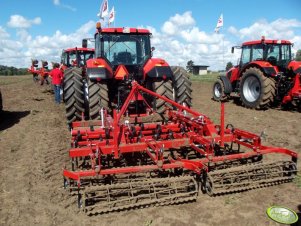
{"x":217,"y":90}
{"x":251,"y":89}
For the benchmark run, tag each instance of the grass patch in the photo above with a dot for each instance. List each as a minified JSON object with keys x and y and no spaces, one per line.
{"x":205,"y":78}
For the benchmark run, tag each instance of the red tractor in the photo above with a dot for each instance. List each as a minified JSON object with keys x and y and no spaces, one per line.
{"x":122,"y":55}
{"x":265,"y":76}
{"x":76,"y":57}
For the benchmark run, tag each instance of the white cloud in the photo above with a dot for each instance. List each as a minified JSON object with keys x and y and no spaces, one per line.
{"x":278,"y":29}
{"x":58,"y":3}
{"x":177,"y":22}
{"x":18,"y":21}
{"x":19,"y":52}
{"x":177,"y":41}
{"x":3,"y":33}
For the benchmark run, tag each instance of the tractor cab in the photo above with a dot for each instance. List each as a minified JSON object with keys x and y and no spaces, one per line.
{"x":123,"y":46}
{"x":76,"y":57}
{"x":275,"y":52}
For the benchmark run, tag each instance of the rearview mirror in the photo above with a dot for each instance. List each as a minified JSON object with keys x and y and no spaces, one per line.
{"x":84,"y":43}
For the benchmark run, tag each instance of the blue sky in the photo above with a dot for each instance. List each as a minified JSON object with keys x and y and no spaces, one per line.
{"x":182,"y":29}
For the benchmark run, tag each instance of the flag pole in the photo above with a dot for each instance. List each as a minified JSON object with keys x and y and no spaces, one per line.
{"x":223,"y":45}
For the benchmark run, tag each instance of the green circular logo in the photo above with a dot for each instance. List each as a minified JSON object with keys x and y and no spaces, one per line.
{"x":282,"y":215}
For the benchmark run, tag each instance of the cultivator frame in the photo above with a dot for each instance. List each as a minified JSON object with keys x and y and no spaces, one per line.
{"x":184,"y":144}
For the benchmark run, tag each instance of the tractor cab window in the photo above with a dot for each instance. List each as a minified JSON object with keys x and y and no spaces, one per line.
{"x":72,"y":58}
{"x":273,"y":54}
{"x":124,"y":49}
{"x":278,"y":54}
{"x":245,"y":55}
{"x":286,"y":53}
{"x":83,"y":56}
{"x":257,"y":52}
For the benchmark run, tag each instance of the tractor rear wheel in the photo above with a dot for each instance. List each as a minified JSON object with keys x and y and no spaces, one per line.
{"x":182,"y":86}
{"x":256,"y":90}
{"x":98,"y":98}
{"x":73,"y":94}
{"x":163,"y":88}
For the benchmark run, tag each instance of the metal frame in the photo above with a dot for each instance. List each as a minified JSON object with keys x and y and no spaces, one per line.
{"x":185,"y":128}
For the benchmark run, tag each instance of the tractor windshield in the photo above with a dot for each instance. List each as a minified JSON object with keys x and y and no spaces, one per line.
{"x":76,"y":57}
{"x":278,"y":54}
{"x":127,"y":49}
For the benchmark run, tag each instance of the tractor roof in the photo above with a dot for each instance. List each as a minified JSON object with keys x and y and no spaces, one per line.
{"x":79,"y":49}
{"x":124,"y":30}
{"x":267,"y":42}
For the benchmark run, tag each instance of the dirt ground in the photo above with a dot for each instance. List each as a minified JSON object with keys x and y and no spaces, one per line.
{"x":33,"y":150}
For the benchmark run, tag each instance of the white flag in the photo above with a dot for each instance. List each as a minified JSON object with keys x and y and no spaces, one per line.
{"x":112,"y":15}
{"x":220,"y":23}
{"x":104,"y":9}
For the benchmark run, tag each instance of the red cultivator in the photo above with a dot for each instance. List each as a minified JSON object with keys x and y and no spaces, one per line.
{"x":125,"y":161}
{"x":43,"y":71}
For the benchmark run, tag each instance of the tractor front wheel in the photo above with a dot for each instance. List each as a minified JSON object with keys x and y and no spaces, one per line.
{"x":218,"y":90}
{"x":256,"y":90}
{"x":98,"y":98}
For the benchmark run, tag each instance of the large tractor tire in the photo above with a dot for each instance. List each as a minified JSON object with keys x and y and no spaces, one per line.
{"x":98,"y":98}
{"x":182,"y":86}
{"x":163,"y":88}
{"x":73,"y":94}
{"x":256,"y":90}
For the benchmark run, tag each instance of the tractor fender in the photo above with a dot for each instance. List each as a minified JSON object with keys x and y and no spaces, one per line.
{"x":157,"y":68}
{"x":98,"y":69}
{"x":295,"y":66}
{"x":227,"y":84}
{"x":268,"y":69}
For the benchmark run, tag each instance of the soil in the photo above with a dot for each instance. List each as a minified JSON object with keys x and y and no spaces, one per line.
{"x":34,"y":140}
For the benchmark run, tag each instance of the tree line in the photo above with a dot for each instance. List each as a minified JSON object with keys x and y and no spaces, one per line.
{"x":5,"y":71}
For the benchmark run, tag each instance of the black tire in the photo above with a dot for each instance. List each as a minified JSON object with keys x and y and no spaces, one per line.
{"x":218,"y":90}
{"x":1,"y":103}
{"x":182,"y":86}
{"x":98,"y":98}
{"x":256,"y":90}
{"x":163,"y":88}
{"x":73,"y":94}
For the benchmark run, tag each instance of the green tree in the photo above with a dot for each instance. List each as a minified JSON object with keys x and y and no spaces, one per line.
{"x":189,"y":66}
{"x":229,"y":65}
{"x":298,"y":55}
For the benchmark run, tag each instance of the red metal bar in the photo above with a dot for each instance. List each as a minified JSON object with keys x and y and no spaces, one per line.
{"x":222,"y":132}
{"x":76,"y":175}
